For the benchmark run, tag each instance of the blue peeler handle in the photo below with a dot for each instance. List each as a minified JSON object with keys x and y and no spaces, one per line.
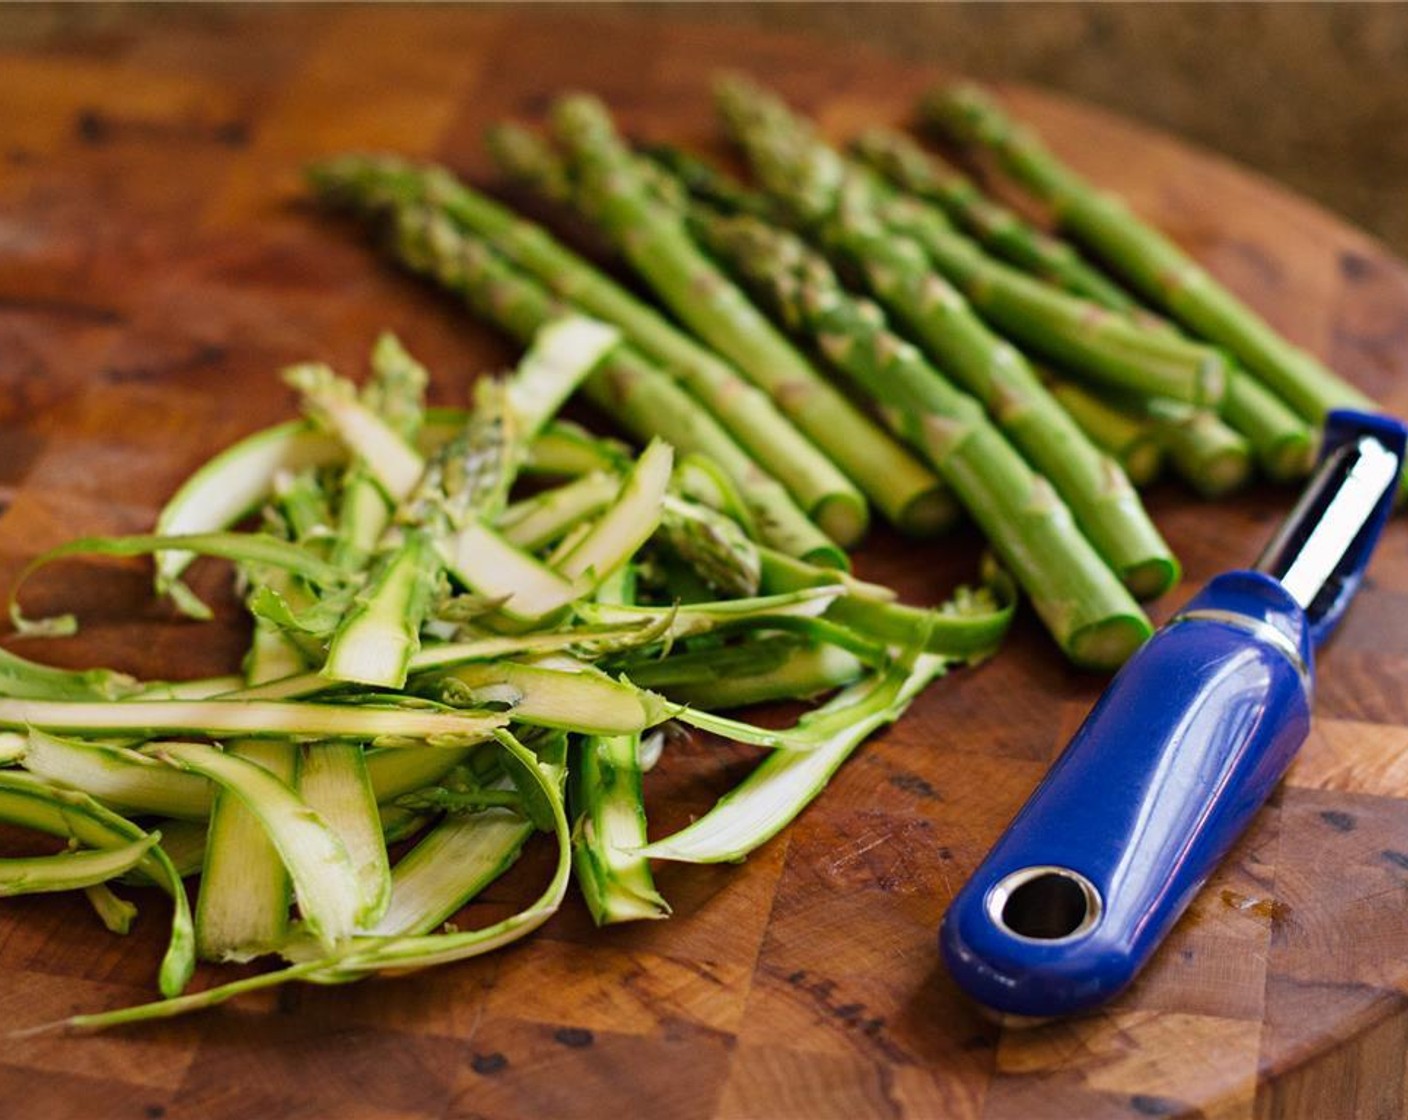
{"x":1166,"y":772}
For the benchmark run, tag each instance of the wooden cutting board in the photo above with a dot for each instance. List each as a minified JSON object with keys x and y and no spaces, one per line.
{"x":157,"y":268}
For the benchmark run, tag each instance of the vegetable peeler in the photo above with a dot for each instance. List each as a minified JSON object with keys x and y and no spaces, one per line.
{"x":1168,"y":769}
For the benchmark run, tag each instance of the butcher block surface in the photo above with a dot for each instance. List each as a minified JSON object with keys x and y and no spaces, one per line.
{"x":159,"y":265}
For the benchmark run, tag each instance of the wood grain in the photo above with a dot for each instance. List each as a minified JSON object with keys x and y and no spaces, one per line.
{"x":157,"y":267}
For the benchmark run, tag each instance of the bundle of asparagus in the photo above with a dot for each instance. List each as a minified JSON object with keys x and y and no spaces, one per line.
{"x":973,"y":297}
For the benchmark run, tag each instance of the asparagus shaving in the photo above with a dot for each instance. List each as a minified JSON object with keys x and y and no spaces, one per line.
{"x":324,"y":879}
{"x":454,"y":862}
{"x":610,"y":826}
{"x":72,"y":870}
{"x":255,"y":548}
{"x":582,"y":700}
{"x":561,"y":357}
{"x":629,"y":522}
{"x":28,"y":680}
{"x":596,"y":640}
{"x":771,"y":667}
{"x":219,"y":718}
{"x":376,"y":640}
{"x":29,"y":802}
{"x":608,"y":812}
{"x":539,"y":521}
{"x":123,"y":778}
{"x":333,"y":780}
{"x":242,"y":907}
{"x":788,"y":780}
{"x":117,"y":914}
{"x":12,"y":747}
{"x":235,"y":482}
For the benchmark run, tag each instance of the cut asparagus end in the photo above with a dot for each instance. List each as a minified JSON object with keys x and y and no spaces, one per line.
{"x":1289,"y":458}
{"x":1143,"y":462}
{"x":1108,"y":644}
{"x":1151,"y":578}
{"x":1221,"y":474}
{"x":828,"y":556}
{"x":930,"y":513}
{"x":842,"y":517}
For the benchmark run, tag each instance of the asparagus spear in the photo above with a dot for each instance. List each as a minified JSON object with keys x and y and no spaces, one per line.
{"x":1283,"y":442}
{"x":1088,"y":612}
{"x":820,"y":191}
{"x":659,"y":247}
{"x":1151,"y":262}
{"x":702,"y":180}
{"x":749,"y":415}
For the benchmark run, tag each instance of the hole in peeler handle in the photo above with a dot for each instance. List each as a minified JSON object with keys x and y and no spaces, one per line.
{"x":1045,"y":904}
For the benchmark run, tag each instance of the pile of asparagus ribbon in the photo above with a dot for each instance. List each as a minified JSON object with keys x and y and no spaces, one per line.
{"x":443,"y":664}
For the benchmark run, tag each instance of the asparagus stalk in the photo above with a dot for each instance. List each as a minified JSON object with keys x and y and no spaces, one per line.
{"x":749,"y":415}
{"x":1147,"y":259}
{"x":1212,"y":457}
{"x":702,"y":180}
{"x":661,"y":250}
{"x":1282,"y":441}
{"x":1088,"y":612}
{"x":1209,"y":455}
{"x":1078,"y":333}
{"x":1204,"y":451}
